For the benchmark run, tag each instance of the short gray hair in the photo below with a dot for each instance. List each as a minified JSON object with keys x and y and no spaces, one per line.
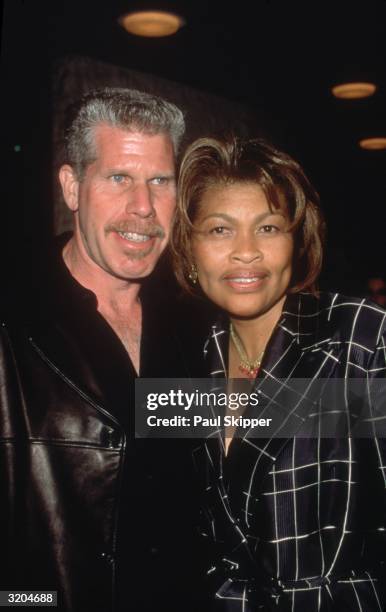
{"x":118,"y":107}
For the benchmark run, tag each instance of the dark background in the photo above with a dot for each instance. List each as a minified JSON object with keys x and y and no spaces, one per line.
{"x":280,"y":58}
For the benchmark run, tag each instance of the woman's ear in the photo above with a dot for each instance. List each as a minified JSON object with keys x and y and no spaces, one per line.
{"x":70,"y":187}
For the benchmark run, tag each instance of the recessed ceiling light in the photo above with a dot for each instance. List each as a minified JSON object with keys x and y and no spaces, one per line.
{"x":373,"y":144}
{"x":354,"y":90}
{"x":151,"y":23}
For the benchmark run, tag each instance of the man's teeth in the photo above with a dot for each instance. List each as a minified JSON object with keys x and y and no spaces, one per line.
{"x":248,"y":279}
{"x":134,"y":237}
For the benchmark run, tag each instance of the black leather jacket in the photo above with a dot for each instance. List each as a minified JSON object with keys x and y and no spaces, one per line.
{"x":77,"y":491}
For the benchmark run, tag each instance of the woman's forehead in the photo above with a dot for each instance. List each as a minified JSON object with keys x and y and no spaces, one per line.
{"x":236,"y":192}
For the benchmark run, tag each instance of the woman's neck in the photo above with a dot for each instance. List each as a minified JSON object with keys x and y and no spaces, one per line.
{"x":255,"y":333}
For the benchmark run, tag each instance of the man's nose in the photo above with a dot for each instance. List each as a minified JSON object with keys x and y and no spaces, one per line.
{"x":140,"y":201}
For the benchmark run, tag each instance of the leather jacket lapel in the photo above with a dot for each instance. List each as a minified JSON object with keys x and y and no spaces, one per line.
{"x":71,"y":349}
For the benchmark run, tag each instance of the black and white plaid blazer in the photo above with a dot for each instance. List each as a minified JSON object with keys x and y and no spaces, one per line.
{"x":299,"y":524}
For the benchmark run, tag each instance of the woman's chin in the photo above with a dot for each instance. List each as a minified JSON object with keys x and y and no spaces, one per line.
{"x":244,"y":311}
{"x":252,"y":309}
{"x":244,"y":314}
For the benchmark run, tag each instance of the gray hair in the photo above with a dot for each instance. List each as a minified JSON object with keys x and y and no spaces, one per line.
{"x":118,"y":107}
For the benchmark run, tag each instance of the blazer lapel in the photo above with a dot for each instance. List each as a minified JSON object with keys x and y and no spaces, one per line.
{"x":216,"y":359}
{"x":298,"y":349}
{"x":299,"y":330}
{"x":216,"y":349}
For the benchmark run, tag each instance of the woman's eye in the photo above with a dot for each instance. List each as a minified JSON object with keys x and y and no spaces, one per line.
{"x":219,"y":230}
{"x":269,"y":229}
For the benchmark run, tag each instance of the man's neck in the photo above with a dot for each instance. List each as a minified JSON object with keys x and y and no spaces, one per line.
{"x":117,"y":300}
{"x":113,"y":293}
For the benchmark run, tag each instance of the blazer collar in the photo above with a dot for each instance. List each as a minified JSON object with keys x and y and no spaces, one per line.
{"x":297,"y":329}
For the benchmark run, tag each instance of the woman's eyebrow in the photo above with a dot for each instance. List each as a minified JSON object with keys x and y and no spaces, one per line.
{"x":232,"y":219}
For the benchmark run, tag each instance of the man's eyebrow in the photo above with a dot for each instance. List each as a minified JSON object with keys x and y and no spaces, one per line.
{"x":125,"y":172}
{"x":165,"y":175}
{"x":117,"y":171}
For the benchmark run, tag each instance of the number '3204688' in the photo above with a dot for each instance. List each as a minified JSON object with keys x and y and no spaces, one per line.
{"x":30,"y":598}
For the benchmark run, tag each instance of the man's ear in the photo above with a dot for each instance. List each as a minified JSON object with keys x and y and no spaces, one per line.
{"x":70,"y":187}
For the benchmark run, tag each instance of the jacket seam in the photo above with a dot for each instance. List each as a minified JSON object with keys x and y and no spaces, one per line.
{"x":56,"y":442}
{"x":71,"y":384}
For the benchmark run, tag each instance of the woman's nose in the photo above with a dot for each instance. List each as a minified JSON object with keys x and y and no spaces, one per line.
{"x":246,"y":248}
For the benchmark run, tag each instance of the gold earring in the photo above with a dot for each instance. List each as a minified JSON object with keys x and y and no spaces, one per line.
{"x":193,"y":274}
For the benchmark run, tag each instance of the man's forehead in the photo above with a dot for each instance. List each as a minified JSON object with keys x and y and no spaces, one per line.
{"x":119,"y":148}
{"x":130,"y":137}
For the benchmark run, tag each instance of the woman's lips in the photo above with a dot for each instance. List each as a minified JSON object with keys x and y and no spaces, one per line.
{"x":245,"y":281}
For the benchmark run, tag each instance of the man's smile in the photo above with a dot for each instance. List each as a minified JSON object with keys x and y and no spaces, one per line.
{"x":134,"y":236}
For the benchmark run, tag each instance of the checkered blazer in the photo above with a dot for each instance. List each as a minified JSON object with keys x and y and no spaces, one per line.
{"x":299,"y":524}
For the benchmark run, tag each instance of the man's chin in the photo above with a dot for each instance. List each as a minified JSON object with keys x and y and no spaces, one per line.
{"x":139,"y":269}
{"x":140,"y":255}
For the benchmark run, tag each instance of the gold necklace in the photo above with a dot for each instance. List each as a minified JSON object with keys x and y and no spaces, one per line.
{"x":250,"y":368}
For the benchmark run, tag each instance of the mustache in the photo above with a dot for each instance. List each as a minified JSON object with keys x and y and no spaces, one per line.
{"x":149,"y":229}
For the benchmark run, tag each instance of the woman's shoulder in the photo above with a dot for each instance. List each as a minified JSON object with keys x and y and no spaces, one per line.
{"x":341,"y":305}
{"x":355,"y":318}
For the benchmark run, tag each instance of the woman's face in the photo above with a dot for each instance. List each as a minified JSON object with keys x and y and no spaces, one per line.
{"x":242,"y":250}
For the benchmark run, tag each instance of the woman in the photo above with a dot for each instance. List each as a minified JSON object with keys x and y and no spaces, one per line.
{"x":298,"y":523}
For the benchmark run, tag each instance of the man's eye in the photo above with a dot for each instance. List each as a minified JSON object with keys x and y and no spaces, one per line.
{"x":118,"y":178}
{"x":160,"y":180}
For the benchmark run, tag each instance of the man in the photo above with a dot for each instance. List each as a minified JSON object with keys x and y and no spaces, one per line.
{"x":84,"y":517}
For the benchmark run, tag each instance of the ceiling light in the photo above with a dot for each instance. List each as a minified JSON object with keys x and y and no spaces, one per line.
{"x":151,"y":23}
{"x":373,"y":144}
{"x":354,"y":90}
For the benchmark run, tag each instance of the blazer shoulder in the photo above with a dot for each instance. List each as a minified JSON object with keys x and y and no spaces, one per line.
{"x":354,"y":319}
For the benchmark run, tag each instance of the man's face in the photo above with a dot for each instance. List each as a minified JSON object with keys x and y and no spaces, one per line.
{"x":124,"y":204}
